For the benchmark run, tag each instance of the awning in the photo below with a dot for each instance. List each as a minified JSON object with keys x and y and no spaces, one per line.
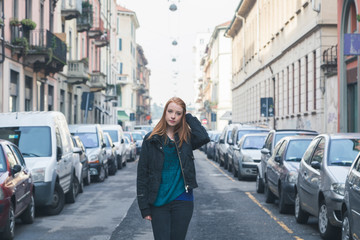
{"x":122,"y":116}
{"x":226,"y":116}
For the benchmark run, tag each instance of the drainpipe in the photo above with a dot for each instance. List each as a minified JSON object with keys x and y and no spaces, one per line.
{"x":258,"y":31}
{"x":2,"y":33}
{"x":243,"y":37}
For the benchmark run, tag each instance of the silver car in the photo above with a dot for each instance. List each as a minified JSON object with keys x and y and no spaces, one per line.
{"x":351,"y":204}
{"x":321,"y":180}
{"x":247,"y":155}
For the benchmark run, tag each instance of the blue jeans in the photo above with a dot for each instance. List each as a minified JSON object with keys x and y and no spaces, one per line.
{"x":171,"y":221}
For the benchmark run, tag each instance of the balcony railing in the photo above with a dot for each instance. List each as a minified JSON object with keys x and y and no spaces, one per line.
{"x":85,"y":21}
{"x":78,"y":72}
{"x":122,"y":79}
{"x":97,"y":29}
{"x":71,"y":9}
{"x":329,"y":61}
{"x":102,"y":40}
{"x":97,"y":81}
{"x":46,"y":51}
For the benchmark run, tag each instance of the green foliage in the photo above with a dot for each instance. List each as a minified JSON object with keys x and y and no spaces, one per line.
{"x":22,"y":42}
{"x":14,"y":22}
{"x":358,"y":17}
{"x":28,"y":23}
{"x":1,"y":22}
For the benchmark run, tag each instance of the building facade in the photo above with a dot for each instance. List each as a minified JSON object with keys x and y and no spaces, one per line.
{"x":279,"y":73}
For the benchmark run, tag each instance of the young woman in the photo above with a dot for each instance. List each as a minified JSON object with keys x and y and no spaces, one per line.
{"x":166,"y":171}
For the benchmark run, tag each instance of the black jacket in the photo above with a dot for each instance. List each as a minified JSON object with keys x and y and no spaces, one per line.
{"x":152,"y":158}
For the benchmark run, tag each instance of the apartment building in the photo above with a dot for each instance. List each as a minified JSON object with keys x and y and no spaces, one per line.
{"x":279,"y":72}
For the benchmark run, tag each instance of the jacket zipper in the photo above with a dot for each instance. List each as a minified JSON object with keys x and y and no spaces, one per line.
{"x":182,"y":170}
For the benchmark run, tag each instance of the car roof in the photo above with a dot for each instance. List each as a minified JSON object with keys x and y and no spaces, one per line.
{"x":341,"y":135}
{"x":294,"y":130}
{"x":299,"y":137}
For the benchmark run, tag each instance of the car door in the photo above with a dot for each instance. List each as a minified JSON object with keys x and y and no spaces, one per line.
{"x":311,"y":177}
{"x":18,"y":181}
{"x":273,"y":168}
{"x":354,"y":197}
{"x":63,"y":162}
{"x":266,"y":153}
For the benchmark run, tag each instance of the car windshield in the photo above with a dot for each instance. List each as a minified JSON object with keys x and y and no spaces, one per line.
{"x":243,"y":132}
{"x":107,"y":141}
{"x":89,"y":140}
{"x":343,"y":152}
{"x":113,"y":134}
{"x":2,"y":161}
{"x":137,"y":136}
{"x":253,"y":142}
{"x":32,"y":141}
{"x":127,"y":141}
{"x":279,"y":136}
{"x":296,"y":149}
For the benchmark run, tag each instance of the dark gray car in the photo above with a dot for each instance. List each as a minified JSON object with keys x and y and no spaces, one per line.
{"x":351,"y":205}
{"x":282,"y":170}
{"x":321,"y":180}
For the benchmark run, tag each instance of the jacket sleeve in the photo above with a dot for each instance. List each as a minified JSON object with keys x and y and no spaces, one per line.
{"x":142,"y":180}
{"x":199,"y":136}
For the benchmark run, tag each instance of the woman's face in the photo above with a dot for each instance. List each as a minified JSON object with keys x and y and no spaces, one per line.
{"x":173,"y":115}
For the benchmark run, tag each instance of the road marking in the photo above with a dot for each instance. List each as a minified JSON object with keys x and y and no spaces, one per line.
{"x":281,"y":223}
{"x":224,"y":173}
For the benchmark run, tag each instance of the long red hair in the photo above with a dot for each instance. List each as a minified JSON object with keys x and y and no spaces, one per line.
{"x":182,"y":129}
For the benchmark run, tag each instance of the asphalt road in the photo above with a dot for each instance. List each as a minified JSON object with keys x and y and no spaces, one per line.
{"x":225,"y":208}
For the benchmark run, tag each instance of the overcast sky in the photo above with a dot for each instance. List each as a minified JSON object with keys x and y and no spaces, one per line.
{"x":159,"y":27}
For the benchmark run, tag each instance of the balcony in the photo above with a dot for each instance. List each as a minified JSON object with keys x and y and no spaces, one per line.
{"x":97,"y":81}
{"x":78,"y":72}
{"x":71,"y":9}
{"x":98,"y":28}
{"x":329,"y":63}
{"x":110,"y":94}
{"x":141,"y":88}
{"x":85,"y":21}
{"x":103,"y":40}
{"x":122,"y":79}
{"x":141,"y":110}
{"x":46,"y":52}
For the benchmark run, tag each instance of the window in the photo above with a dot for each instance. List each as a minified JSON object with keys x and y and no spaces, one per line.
{"x":70,"y":107}
{"x":13,"y":98}
{"x":40,"y":95}
{"x":299,"y":63}
{"x":10,"y":156}
{"x":75,"y":107}
{"x":28,"y":93}
{"x":314,"y":71}
{"x":18,"y":155}
{"x":319,"y":152}
{"x":62,"y":101}
{"x":28,"y":8}
{"x":121,"y":68}
{"x":306,"y":83}
{"x":120,"y":44}
{"x":15,"y":9}
{"x":50,"y":98}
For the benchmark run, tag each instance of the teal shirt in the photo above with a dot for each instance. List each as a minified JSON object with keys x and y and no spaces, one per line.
{"x":172,"y":182}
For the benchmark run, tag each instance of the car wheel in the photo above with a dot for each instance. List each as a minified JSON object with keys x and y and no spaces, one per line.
{"x":259,"y":184}
{"x":106,"y":170}
{"x":345,"y":229}
{"x":101,"y":176}
{"x":327,"y":231}
{"x":300,"y":215}
{"x":124,"y":163}
{"x":81,"y":186}
{"x":234,"y":171}
{"x":28,"y":215}
{"x":58,"y":201}
{"x":9,"y":229}
{"x":113,"y":168}
{"x":87,"y":180}
{"x":70,"y":196}
{"x":269,"y":196}
{"x":283,"y":207}
{"x":119,"y":162}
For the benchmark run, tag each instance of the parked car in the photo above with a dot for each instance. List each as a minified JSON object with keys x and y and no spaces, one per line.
{"x":130,"y":149}
{"x":237,"y":131}
{"x":247,"y":155}
{"x":350,"y":210}
{"x":210,"y":149}
{"x":132,"y":143}
{"x":271,"y":140}
{"x":110,"y":154}
{"x":321,"y":180}
{"x":147,"y":128}
{"x":16,"y":190}
{"x":84,"y":161}
{"x":137,"y":136}
{"x":282,"y":170}
{"x":45,"y":142}
{"x":117,"y":136}
{"x":92,"y":137}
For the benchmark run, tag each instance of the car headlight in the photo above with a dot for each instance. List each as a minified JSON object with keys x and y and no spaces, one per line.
{"x":247,"y":159}
{"x":94,"y":159}
{"x":292,"y":176}
{"x":38,"y":174}
{"x":338,"y":188}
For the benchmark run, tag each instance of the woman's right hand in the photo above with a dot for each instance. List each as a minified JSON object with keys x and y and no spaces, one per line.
{"x":148,"y":218}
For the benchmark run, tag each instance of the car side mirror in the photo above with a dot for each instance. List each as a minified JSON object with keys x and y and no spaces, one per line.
{"x":103,"y":145}
{"x":15,"y":169}
{"x":230,"y":142}
{"x":58,"y":153}
{"x":315,"y":165}
{"x":113,"y":145}
{"x":265,"y":151}
{"x":278,"y":159}
{"x":221,"y":141}
{"x":77,"y":150}
{"x":122,"y":140}
{"x":236,"y":148}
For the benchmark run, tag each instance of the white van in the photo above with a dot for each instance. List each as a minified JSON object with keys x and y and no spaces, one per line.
{"x":117,"y":136}
{"x":45,"y":142}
